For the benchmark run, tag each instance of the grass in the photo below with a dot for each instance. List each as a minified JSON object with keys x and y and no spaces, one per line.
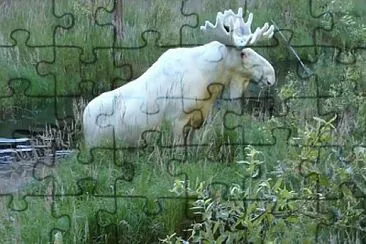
{"x":33,"y":59}
{"x":150,"y":181}
{"x":144,"y":209}
{"x":78,"y":201}
{"x":141,"y":179}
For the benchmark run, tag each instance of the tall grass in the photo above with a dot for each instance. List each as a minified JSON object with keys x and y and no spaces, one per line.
{"x":73,"y":62}
{"x":105,"y":196}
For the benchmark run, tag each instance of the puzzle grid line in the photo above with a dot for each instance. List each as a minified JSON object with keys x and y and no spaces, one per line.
{"x":42,"y":71}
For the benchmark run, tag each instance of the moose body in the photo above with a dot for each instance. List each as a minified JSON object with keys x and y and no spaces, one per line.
{"x":179,"y":88}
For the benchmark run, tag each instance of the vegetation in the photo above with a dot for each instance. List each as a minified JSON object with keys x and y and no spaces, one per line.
{"x":285,"y":170}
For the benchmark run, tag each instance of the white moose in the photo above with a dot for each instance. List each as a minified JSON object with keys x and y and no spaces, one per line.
{"x":181,"y":87}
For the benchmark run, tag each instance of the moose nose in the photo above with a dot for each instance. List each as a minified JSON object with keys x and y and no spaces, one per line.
{"x":269,"y":82}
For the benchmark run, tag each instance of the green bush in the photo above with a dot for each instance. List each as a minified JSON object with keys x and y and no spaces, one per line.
{"x":278,"y":208}
{"x":303,"y":182}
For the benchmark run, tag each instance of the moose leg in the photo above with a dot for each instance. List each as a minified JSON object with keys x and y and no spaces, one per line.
{"x":196,"y":121}
{"x":181,"y":130}
{"x":188,"y":134}
{"x":185,"y":127}
{"x":184,"y":130}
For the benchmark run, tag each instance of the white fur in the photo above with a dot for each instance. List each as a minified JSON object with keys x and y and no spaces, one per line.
{"x":156,"y":96}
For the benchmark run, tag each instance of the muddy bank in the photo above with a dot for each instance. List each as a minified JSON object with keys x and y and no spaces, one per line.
{"x":23,"y":161}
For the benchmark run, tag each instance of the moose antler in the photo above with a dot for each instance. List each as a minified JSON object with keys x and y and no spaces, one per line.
{"x":230,"y":29}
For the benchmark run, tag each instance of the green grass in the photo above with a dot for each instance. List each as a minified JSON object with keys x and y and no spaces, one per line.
{"x":44,"y":28}
{"x":81,"y":184}
{"x":150,"y":181}
{"x":83,"y":187}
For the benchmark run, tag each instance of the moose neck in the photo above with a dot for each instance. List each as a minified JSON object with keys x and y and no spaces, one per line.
{"x":223,"y":74}
{"x":232,"y":65}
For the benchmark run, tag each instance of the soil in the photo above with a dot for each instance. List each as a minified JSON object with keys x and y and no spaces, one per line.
{"x":16,"y":175}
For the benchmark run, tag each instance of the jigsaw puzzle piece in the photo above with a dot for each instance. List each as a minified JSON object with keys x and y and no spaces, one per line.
{"x":22,"y":217}
{"x":311,"y":91}
{"x":62,"y":72}
{"x":24,"y":154}
{"x":318,"y":24}
{"x":320,"y":165}
{"x":106,"y":67}
{"x":138,"y":58}
{"x":22,"y":201}
{"x":82,"y":168}
{"x":138,"y":200}
{"x":20,"y":70}
{"x":348,"y":89}
{"x":155,"y":210}
{"x":326,"y":97}
{"x":346,"y":18}
{"x":339,"y":166}
{"x":30,"y":153}
{"x":117,"y":206}
{"x":18,"y":89}
{"x":19,"y":221}
{"x":120,"y":221}
{"x":28,"y":89}
{"x":85,"y":16}
{"x":248,"y":129}
{"x":67,"y":86}
{"x":326,"y":169}
{"x":41,"y":37}
{"x":334,"y":211}
{"x":137,"y":21}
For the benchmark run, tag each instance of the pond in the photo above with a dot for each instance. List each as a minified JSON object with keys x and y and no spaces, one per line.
{"x":20,"y":120}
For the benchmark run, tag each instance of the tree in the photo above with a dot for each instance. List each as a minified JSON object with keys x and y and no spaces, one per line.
{"x":118,"y":18}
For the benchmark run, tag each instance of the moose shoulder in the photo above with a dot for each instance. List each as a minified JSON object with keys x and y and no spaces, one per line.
{"x":181,"y":86}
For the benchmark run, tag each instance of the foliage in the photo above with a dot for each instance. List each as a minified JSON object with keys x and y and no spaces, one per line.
{"x":274,"y":207}
{"x":303,"y":181}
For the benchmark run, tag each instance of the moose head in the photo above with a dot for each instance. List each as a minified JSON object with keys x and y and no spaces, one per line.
{"x":231,"y":30}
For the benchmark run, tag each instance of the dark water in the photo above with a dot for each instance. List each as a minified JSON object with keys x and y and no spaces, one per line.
{"x":23,"y":119}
